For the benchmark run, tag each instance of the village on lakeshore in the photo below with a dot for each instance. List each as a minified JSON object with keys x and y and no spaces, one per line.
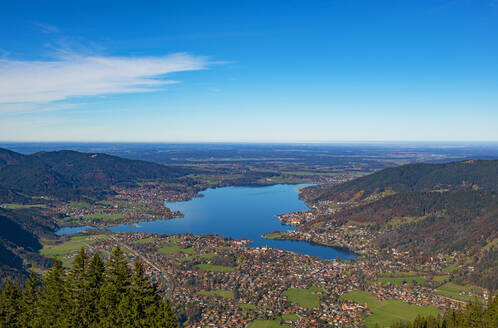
{"x":221,"y":282}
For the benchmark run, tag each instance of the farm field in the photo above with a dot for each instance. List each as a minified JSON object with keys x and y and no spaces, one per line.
{"x":215,"y":268}
{"x":173,"y":249}
{"x":101,"y":216}
{"x":14,"y":206}
{"x":441,"y":278}
{"x":304,"y":297}
{"x":265,"y":324}
{"x":207,"y":256}
{"x":385,"y":313}
{"x":67,"y":250}
{"x":401,"y":280}
{"x":79,"y":204}
{"x":454,"y":291}
{"x":169,"y":250}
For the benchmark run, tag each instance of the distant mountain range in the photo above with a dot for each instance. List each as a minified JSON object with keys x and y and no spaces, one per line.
{"x":72,"y":175}
{"x":426,"y":209}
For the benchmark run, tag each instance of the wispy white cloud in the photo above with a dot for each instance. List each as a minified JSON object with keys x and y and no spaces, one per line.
{"x":41,"y":82}
{"x":47,"y":28}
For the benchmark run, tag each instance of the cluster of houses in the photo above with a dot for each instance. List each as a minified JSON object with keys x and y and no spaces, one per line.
{"x":127,"y":205}
{"x":255,"y":285}
{"x":220,"y":282}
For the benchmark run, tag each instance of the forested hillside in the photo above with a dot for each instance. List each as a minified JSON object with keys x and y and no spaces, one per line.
{"x":426,"y":209}
{"x":472,"y":174}
{"x":72,"y":175}
{"x":20,"y":232}
{"x":428,"y":223}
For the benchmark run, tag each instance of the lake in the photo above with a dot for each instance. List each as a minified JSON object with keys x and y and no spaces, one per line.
{"x":237,"y":212}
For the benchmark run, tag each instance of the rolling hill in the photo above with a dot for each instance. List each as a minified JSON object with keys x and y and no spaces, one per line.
{"x":71,"y":175}
{"x":426,"y":209}
{"x":476,"y":174}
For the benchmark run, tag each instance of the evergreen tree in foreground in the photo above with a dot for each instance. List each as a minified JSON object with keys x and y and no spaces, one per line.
{"x":92,"y":294}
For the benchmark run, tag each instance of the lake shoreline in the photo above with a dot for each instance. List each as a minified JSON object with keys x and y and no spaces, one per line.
{"x":239,"y":213}
{"x":282,"y":236}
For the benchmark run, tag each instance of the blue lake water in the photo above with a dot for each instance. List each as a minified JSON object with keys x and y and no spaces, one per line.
{"x":237,"y":212}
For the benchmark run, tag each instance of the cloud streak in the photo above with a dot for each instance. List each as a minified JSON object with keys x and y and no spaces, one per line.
{"x":32,"y":82}
{"x":47,"y":28}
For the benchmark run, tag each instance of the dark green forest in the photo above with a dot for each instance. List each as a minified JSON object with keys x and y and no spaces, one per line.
{"x":94,"y":293}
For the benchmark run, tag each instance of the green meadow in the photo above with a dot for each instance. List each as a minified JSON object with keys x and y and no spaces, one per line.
{"x":102,"y":216}
{"x":69,"y":247}
{"x":305,"y":297}
{"x":13,"y":206}
{"x":265,"y":324}
{"x":385,"y":313}
{"x":402,"y":280}
{"x":174,"y":249}
{"x":215,"y":268}
{"x":453,"y":291}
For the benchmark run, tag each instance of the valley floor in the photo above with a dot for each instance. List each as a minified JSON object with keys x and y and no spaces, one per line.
{"x":220,"y":282}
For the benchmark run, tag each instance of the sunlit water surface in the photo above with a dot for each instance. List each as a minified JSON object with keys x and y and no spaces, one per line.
{"x":237,"y":212}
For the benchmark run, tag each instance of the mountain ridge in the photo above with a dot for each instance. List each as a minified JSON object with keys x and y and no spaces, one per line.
{"x":424,"y":209}
{"x":413,"y":177}
{"x":71,"y":175}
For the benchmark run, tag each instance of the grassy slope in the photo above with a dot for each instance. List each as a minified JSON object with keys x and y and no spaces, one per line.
{"x":218,"y":292}
{"x":453,"y":291}
{"x":385,"y":313}
{"x":70,"y":247}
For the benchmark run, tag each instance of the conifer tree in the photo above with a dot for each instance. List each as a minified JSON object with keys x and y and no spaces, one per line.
{"x":76,"y":291}
{"x":9,"y":305}
{"x":144,"y":296}
{"x":114,"y":310}
{"x":95,"y":283}
{"x":28,"y":303}
{"x":166,"y":317}
{"x":52,"y":302}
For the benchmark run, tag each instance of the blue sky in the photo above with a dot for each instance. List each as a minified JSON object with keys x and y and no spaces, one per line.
{"x":269,"y":71}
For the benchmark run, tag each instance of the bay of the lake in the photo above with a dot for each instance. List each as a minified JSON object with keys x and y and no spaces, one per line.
{"x":237,"y":212}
